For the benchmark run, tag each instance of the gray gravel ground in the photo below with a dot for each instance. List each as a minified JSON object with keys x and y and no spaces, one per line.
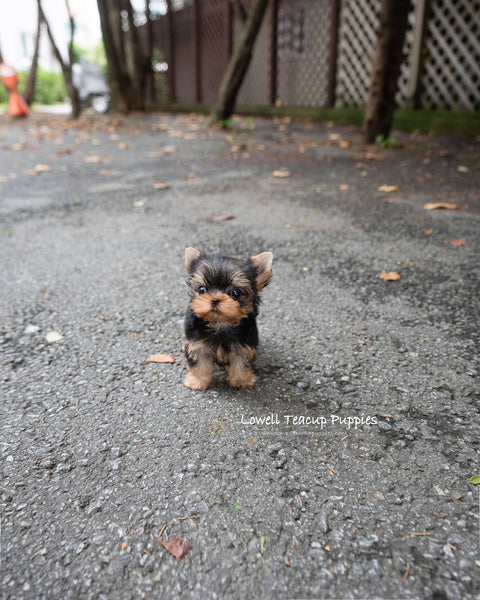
{"x":99,"y":449}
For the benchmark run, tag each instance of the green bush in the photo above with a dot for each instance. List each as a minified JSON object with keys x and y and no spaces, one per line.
{"x":50,"y":88}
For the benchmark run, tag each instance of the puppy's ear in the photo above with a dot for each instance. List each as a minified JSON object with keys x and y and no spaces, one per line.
{"x":263,"y":262}
{"x":190,"y":256}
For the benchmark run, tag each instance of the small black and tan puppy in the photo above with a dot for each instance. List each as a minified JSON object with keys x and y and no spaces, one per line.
{"x":220,"y":324}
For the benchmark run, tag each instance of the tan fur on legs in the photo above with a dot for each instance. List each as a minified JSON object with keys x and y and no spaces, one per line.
{"x":199,"y":376}
{"x":239,"y":370}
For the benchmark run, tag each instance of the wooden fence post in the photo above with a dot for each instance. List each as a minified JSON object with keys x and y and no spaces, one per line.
{"x":273,"y":52}
{"x":171,"y":53}
{"x":196,"y":52}
{"x":332,"y":66}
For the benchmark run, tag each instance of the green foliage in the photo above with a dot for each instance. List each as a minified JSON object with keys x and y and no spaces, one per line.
{"x":475,"y":480}
{"x":97,"y":55}
{"x":50,"y":88}
{"x":225,"y":123}
{"x":385,"y":142}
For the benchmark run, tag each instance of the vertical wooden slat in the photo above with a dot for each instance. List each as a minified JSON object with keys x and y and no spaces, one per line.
{"x":229,"y":30}
{"x":171,"y":53}
{"x":196,"y":51}
{"x":332,"y":63}
{"x":273,"y":52}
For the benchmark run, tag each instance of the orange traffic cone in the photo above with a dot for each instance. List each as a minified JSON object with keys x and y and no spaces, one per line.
{"x":17,"y":107}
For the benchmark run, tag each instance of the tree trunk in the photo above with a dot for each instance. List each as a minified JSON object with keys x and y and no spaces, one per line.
{"x":387,"y":59}
{"x":140,"y":60}
{"x":29,"y":92}
{"x":149,"y":82}
{"x":65,"y":66}
{"x":120,"y":83}
{"x":239,"y":62}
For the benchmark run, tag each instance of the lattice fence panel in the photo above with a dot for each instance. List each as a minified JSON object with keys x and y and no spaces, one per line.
{"x":359,"y":22}
{"x":303,"y":51}
{"x":213,"y":47}
{"x":183,"y":37}
{"x":451,"y":77}
{"x":357,"y":36}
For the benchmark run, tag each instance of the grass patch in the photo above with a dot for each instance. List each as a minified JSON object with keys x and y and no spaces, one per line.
{"x":443,"y":122}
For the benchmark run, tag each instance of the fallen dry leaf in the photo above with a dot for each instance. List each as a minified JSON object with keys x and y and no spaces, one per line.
{"x":288,"y":561}
{"x":369,"y":156}
{"x":124,"y":545}
{"x":160,"y":185}
{"x":176,"y":547}
{"x":160,"y":358}
{"x":389,"y":276}
{"x":15,"y":147}
{"x":39,"y":169}
{"x":442,"y":206}
{"x":389,"y":188}
{"x":458,"y":242}
{"x":62,"y":151}
{"x":223,"y":218}
{"x":122,"y":146}
{"x":344,"y":144}
{"x":428,"y":231}
{"x":238,"y":147}
{"x":281,"y":173}
{"x":343,"y":187}
{"x":93,"y":159}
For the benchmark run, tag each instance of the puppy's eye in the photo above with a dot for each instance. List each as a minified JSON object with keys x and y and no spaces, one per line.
{"x":235,"y":293}
{"x":202,"y":289}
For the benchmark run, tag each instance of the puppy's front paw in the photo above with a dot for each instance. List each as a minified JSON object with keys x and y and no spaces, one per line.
{"x":195,"y":383}
{"x":243,"y":379}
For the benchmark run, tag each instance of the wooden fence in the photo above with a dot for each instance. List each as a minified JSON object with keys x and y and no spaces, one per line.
{"x":317,"y":53}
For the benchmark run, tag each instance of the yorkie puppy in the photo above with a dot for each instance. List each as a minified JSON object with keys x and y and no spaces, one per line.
{"x":220,"y":325}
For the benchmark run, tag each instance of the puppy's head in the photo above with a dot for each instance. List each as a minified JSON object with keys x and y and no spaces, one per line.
{"x":225,"y":289}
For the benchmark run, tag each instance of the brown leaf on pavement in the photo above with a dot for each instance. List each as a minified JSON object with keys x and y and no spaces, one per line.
{"x":160,"y":185}
{"x":458,"y":242}
{"x":93,"y":159}
{"x":369,"y":156}
{"x":389,"y":188}
{"x":176,"y":547}
{"x":281,"y":173}
{"x":443,"y":206}
{"x":389,"y":276}
{"x":39,"y":169}
{"x":219,"y":218}
{"x":160,"y":358}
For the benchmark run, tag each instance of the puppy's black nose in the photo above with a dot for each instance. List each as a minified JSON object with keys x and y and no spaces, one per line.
{"x":215,"y":301}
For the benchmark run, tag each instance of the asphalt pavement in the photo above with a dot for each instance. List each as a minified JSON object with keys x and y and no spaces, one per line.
{"x":346,"y":472}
